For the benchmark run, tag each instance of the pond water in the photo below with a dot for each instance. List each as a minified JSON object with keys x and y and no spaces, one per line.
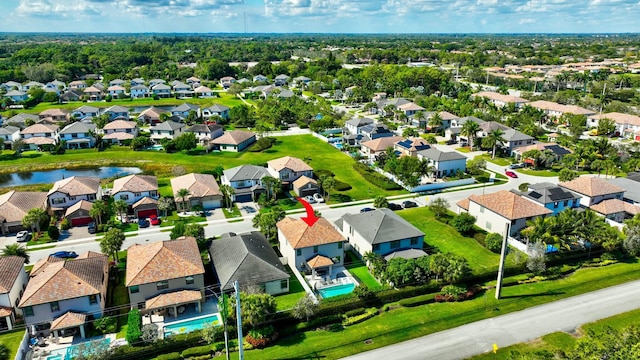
{"x":51,"y":176}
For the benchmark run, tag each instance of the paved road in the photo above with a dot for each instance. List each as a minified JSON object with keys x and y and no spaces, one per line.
{"x":522,"y":326}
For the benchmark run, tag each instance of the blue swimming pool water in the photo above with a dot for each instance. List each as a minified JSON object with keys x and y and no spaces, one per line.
{"x":336,"y":290}
{"x":73,"y":351}
{"x":191,"y":325}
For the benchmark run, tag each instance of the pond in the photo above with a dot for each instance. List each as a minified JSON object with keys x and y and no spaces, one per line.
{"x":51,"y":176}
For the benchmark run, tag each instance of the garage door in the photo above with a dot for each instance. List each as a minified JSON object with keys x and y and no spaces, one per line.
{"x":243,"y":198}
{"x":212,"y":204}
{"x":147,"y":213}
{"x":79,"y":221}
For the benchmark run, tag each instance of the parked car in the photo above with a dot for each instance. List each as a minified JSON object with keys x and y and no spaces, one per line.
{"x":310,"y":199}
{"x":317,"y":197}
{"x":143,"y":223}
{"x":65,"y":254}
{"x":517,"y":166}
{"x":511,"y":174}
{"x":92,"y":228}
{"x":451,"y":141}
{"x":394,"y":206}
{"x":366,"y":209}
{"x":409,"y":204}
{"x":154,"y":220}
{"x":23,"y":236}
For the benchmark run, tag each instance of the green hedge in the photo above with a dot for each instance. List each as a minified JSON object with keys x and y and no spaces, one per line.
{"x":360,"y":318}
{"x":174,"y":343}
{"x":197,"y":351}
{"x":340,"y":186}
{"x":417,"y":300}
{"x":355,"y":312}
{"x":375,"y":178}
{"x":169,"y":356}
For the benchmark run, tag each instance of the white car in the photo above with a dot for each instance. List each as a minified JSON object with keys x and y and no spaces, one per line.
{"x":317,"y":197}
{"x":310,"y":199}
{"x":23,"y":236}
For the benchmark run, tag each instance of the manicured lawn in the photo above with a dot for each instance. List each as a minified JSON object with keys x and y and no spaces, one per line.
{"x":234,"y":213}
{"x":358,"y":269}
{"x":296,"y":292}
{"x":172,"y":219}
{"x":497,"y":160}
{"x":448,"y":240}
{"x":43,"y":238}
{"x":12,"y":341}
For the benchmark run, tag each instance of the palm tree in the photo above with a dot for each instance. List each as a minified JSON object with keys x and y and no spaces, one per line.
{"x":112,"y":242}
{"x":470,"y":129}
{"x":410,"y":132}
{"x":380,"y":202}
{"x":164,"y":204}
{"x":272,"y":185}
{"x":327,"y":186}
{"x":420,"y":116}
{"x":182,"y":194}
{"x":435,"y":122}
{"x":492,"y":140}
{"x":98,"y":209}
{"x":121,"y":208}
{"x":227,"y":192}
{"x":33,"y":218}
{"x":16,"y":250}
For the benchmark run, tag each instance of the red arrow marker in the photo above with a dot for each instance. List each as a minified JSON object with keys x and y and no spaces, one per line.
{"x":311,"y":218}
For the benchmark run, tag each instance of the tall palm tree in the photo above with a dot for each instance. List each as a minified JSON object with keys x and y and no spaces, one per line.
{"x":121,"y":208}
{"x":182,"y":194}
{"x":16,"y":250}
{"x":492,"y":140}
{"x":271,"y":184}
{"x":98,"y":209}
{"x":227,"y":192}
{"x":33,"y":218}
{"x":164,"y":204}
{"x":435,"y":122}
{"x":470,"y":129}
{"x":421,"y":116}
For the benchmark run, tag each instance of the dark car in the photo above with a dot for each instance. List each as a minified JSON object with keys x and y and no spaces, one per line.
{"x":65,"y":254}
{"x":409,"y":204}
{"x":143,"y":223}
{"x":394,"y":206}
{"x":92,"y":228}
{"x":367,"y":209}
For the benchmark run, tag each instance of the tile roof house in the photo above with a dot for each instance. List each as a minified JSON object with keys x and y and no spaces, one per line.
{"x":288,"y":169}
{"x":203,"y":92}
{"x":410,"y":108}
{"x":501,"y":100}
{"x":145,"y":207}
{"x":138,"y":91}
{"x":38,"y":135}
{"x":120,"y":131}
{"x":92,"y":93}
{"x":410,"y":147}
{"x":69,"y":191}
{"x":14,"y":205}
{"x":58,"y":288}
{"x":152,"y":115}
{"x":317,"y":247}
{"x":57,"y":115}
{"x":13,"y":280}
{"x":494,"y":211}
{"x":305,"y":186}
{"x":381,"y":232}
{"x":616,"y":210}
{"x":554,"y":109}
{"x":166,"y":130}
{"x":234,"y":141}
{"x":165,"y":274}
{"x":203,"y":191}
{"x":116,"y":91}
{"x":135,"y":187}
{"x":444,"y":162}
{"x":16,"y":95}
{"x":246,"y":181}
{"x":373,"y":148}
{"x":78,"y":135}
{"x":8,"y":134}
{"x":78,"y":214}
{"x":552,"y":197}
{"x":216,"y":110}
{"x":626,"y":124}
{"x":593,"y":190}
{"x":205,"y":133}
{"x":250,"y":260}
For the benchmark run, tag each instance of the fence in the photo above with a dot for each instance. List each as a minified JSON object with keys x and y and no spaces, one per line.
{"x":24,"y":347}
{"x":443,"y":185}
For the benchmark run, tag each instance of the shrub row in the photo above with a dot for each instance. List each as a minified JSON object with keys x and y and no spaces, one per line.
{"x":417,"y":300}
{"x":375,"y":178}
{"x":174,"y":343}
{"x":341,"y":186}
{"x":169,"y":356}
{"x":371,"y":312}
{"x":355,"y":312}
{"x":262,"y":144}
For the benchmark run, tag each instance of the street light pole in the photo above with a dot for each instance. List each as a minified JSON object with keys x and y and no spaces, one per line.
{"x":236,"y":287}
{"x":503,"y":255}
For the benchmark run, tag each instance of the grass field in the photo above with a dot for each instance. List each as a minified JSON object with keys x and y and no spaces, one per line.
{"x":289,"y":300}
{"x":358,"y":269}
{"x":12,"y":341}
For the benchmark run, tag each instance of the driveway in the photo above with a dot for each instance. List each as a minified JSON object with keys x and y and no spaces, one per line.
{"x":247,"y":208}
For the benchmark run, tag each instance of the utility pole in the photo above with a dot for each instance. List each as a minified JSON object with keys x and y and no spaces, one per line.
{"x":503,"y":255}
{"x":224,"y":323}
{"x":236,"y":287}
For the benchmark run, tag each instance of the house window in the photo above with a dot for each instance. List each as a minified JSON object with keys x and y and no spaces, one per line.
{"x":395,"y":244}
{"x":58,"y":201}
{"x":55,"y":306}
{"x":72,"y":198}
{"x":414,"y":241}
{"x":315,"y":249}
{"x":285,"y":175}
{"x":93,"y":299}
{"x":340,"y":245}
{"x":566,"y":202}
{"x":284,"y":284}
{"x":376,"y":247}
{"x":134,"y":289}
{"x":189,"y":280}
{"x":555,"y":205}
{"x":141,"y":305}
{"x":136,"y":194}
{"x":124,"y":197}
{"x":298,"y":252}
{"x":28,"y":311}
{"x":91,"y":197}
{"x":487,"y":225}
{"x":162,"y":285}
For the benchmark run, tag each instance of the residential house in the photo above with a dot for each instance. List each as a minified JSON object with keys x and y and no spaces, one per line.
{"x":78,"y":135}
{"x":117,"y":112}
{"x":203,"y":92}
{"x":593,"y":190}
{"x":139,"y":91}
{"x":38,"y":135}
{"x":501,"y":100}
{"x":32,"y":85}
{"x":288,"y":169}
{"x":305,"y":186}
{"x":161,"y":90}
{"x":386,"y":107}
{"x":216,"y":110}
{"x":79,"y":213}
{"x":69,"y":191}
{"x":166,"y":130}
{"x":185,"y":109}
{"x":136,"y":82}
{"x":16,"y":95}
{"x":317,"y":248}
{"x":410,"y":147}
{"x":300,"y":81}
{"x":152,"y":115}
{"x":558,"y":150}
{"x":355,"y":125}
{"x":555,"y":110}
{"x":203,"y":191}
{"x":444,"y":163}
{"x":410,"y":108}
{"x":616,"y":210}
{"x":71,"y":95}
{"x":380,"y":232}
{"x":250,"y":260}
{"x":235,"y":141}
{"x":20,"y":120}
{"x":193,"y":81}
{"x":11,"y":85}
{"x":375,"y":131}
{"x":495,"y":210}
{"x":260,"y":78}
{"x":78,"y":84}
{"x":120,"y":131}
{"x":627,"y":125}
{"x":513,"y":139}
{"x":165,"y":275}
{"x":116,"y":82}
{"x":453,"y":132}
{"x":135,"y":187}
{"x":14,"y":205}
{"x":206,"y":133}
{"x":246,"y":181}
{"x":8,"y":135}
{"x":64,"y":295}
{"x":281,"y":80}
{"x":227,"y":81}
{"x":372,"y":148}
{"x":552,"y":196}
{"x":182,"y":90}
{"x":85,"y":111}
{"x":93,"y":93}
{"x":116,"y":91}
{"x":145,"y":207}
{"x":154,"y":82}
{"x":631,"y":188}
{"x":13,"y":280}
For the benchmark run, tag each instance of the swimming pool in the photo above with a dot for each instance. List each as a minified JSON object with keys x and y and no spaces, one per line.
{"x":186,"y":326}
{"x":336,"y":290}
{"x":84,"y":349}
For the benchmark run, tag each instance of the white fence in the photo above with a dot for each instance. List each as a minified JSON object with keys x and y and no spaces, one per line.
{"x":24,"y":347}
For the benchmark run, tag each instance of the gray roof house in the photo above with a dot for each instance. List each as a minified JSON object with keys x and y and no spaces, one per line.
{"x":78,"y":135}
{"x":552,"y":196}
{"x":246,"y":181}
{"x":381,"y":231}
{"x":249,"y":259}
{"x":631,"y":189}
{"x":168,"y":129}
{"x":444,"y":162}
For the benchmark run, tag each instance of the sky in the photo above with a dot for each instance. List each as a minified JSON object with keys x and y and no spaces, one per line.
{"x":321,"y":16}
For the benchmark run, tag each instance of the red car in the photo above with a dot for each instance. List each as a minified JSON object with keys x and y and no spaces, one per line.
{"x":154,"y":220}
{"x":510,"y":174}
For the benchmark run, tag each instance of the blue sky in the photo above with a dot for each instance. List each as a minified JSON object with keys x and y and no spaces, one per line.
{"x":333,"y":16}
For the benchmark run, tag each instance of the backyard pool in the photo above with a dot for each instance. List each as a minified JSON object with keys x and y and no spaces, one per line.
{"x":84,"y":350}
{"x":336,"y":290}
{"x":186,"y":326}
